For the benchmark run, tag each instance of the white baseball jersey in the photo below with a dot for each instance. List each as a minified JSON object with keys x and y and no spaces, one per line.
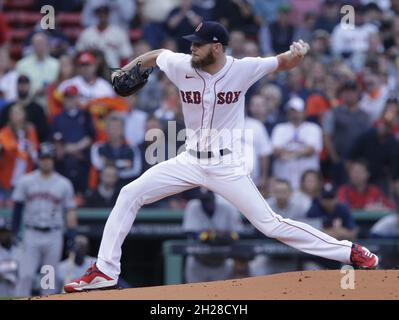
{"x":213,"y":105}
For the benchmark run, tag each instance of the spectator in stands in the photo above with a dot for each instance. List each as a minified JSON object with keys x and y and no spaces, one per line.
{"x":209,"y":220}
{"x":8,"y":260}
{"x":73,"y":133}
{"x":352,"y":43}
{"x":391,"y":112}
{"x":359,"y":194}
{"x":90,"y":86}
{"x":236,"y":15}
{"x":39,"y":66}
{"x":116,"y":151}
{"x":236,"y":44}
{"x":301,"y":9}
{"x":267,"y":12}
{"x":329,"y":16}
{"x":58,"y":42}
{"x":337,"y":218}
{"x":181,"y":21}
{"x":76,"y":263}
{"x":316,"y":76}
{"x":134,"y":122}
{"x":153,"y":14}
{"x":169,"y":104}
{"x":18,"y":148}
{"x":311,"y":184}
{"x":322,"y":97}
{"x":380,"y":149}
{"x":268,"y":109}
{"x":107,"y":190}
{"x":34,"y":112}
{"x":341,"y":127}
{"x":281,"y":31}
{"x":111,"y":39}
{"x":152,"y":149}
{"x":295,"y":86}
{"x":305,"y":31}
{"x":121,"y":12}
{"x":257,"y":149}
{"x":286,"y":203}
{"x":296,"y":144}
{"x":8,"y":79}
{"x":54,"y":97}
{"x":375,"y":94}
{"x":320,"y":46}
{"x":206,"y":8}
{"x":150,"y":95}
{"x":251,"y":49}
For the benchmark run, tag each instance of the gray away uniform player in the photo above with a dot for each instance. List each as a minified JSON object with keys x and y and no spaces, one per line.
{"x":45,"y":198}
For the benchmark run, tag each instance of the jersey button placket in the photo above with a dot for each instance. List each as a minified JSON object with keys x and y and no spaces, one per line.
{"x":208,"y":102}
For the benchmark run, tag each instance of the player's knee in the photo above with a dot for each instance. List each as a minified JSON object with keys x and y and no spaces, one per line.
{"x":130,"y":193}
{"x":269,"y":227}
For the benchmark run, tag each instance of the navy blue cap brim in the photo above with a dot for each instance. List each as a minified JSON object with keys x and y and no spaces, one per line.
{"x":194,"y":38}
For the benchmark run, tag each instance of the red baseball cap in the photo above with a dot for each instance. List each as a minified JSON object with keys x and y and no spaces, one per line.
{"x":71,"y":91}
{"x":86,"y":58}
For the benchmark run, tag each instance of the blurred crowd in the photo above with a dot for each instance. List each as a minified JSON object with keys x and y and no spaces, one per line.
{"x":339,"y":106}
{"x":334,"y":119}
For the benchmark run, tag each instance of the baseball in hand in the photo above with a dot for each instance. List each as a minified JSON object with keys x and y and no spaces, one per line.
{"x":299,"y":48}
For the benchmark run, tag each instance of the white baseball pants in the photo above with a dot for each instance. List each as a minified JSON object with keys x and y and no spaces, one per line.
{"x":220,"y":175}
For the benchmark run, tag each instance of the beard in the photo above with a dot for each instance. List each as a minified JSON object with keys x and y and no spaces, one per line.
{"x":206,"y":61}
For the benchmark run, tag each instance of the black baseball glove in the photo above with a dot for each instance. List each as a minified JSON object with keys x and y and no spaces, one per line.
{"x":126,"y":83}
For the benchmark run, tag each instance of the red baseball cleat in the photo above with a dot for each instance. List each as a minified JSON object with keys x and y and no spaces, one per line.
{"x":93,"y":279}
{"x":362,"y":258}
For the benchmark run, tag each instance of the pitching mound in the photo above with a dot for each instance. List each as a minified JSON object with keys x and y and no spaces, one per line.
{"x":377,"y":284}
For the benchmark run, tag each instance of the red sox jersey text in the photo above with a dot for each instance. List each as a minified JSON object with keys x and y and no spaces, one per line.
{"x":194,"y":97}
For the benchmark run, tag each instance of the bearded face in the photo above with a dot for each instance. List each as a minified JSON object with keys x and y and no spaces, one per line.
{"x":202,"y":58}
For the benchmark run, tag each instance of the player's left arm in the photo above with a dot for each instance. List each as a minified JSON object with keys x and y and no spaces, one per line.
{"x":293,"y":57}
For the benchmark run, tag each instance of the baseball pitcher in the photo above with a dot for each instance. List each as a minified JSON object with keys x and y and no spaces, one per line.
{"x":212,"y":89}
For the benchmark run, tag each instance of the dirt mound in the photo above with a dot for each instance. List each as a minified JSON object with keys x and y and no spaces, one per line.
{"x":377,"y":284}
